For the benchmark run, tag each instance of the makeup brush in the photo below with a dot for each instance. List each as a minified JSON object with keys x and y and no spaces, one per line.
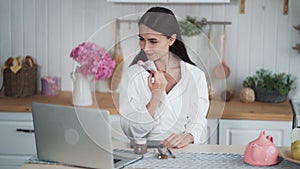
{"x":170,"y":152}
{"x":141,"y":63}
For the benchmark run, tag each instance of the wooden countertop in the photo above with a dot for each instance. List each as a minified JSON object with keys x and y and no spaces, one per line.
{"x":233,"y":109}
{"x":108,"y":101}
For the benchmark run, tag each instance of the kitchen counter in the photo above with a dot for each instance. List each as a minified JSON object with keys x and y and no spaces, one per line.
{"x":108,"y":101}
{"x":233,"y":109}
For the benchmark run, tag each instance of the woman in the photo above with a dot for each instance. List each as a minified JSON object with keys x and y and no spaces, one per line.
{"x":171,"y":103}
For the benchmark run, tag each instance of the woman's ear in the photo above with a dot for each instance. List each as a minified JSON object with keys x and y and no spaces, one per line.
{"x":172,"y":39}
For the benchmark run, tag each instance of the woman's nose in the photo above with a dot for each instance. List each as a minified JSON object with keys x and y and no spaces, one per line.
{"x":146,"y":46}
{"x":142,"y":45}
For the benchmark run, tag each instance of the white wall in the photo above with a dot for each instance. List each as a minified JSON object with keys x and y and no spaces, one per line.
{"x":48,"y":29}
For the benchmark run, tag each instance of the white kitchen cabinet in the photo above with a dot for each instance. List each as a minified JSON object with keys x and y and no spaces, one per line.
{"x":198,"y":1}
{"x":212,"y":131}
{"x":138,"y":1}
{"x":241,"y":132}
{"x":17,"y":142}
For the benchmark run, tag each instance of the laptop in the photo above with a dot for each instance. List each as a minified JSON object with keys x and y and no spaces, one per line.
{"x":77,"y":136}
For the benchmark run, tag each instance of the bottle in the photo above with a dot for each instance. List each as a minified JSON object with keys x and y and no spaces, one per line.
{"x":140,"y":145}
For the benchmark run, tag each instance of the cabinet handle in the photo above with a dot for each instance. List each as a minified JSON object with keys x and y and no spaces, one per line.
{"x":25,"y":130}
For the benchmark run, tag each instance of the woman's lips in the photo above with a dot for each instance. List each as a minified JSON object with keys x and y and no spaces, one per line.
{"x":149,"y":54}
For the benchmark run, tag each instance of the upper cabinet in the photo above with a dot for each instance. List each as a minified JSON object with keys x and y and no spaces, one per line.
{"x":169,"y":1}
{"x":198,"y":1}
{"x":138,"y":1}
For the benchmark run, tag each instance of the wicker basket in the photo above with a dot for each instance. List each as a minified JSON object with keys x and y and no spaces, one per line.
{"x":271,"y":96}
{"x":20,"y":84}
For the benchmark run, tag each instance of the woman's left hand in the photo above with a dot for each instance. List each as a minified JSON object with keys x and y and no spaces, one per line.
{"x":178,"y":140}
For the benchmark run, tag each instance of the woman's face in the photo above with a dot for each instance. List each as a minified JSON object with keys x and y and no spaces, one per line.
{"x":153,"y":43}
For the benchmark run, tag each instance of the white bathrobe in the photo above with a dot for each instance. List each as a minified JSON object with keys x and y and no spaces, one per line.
{"x":182,"y":110}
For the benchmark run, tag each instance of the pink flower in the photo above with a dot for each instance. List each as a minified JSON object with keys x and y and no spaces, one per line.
{"x":94,"y":61}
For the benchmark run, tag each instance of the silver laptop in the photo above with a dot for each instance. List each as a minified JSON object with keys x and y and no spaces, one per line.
{"x":76,"y":136}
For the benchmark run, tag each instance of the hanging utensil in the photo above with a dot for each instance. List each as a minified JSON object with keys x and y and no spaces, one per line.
{"x":222,"y":71}
{"x":117,"y":56}
{"x":209,"y":36}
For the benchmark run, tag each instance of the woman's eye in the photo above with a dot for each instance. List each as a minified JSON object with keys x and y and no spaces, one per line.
{"x":141,"y":39}
{"x":153,"y":41}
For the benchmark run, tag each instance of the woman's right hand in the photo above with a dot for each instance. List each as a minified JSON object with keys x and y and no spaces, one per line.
{"x":157,"y":89}
{"x":159,"y":82}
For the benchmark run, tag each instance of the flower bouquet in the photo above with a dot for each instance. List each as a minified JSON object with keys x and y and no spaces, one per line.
{"x":94,"y":61}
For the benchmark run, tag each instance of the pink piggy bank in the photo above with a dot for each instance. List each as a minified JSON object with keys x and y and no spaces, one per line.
{"x":261,"y":151}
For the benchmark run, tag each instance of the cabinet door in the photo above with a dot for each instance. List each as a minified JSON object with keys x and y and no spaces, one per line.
{"x":138,"y":1}
{"x":212,"y":131}
{"x":17,"y":140}
{"x":12,"y":161}
{"x":198,"y":1}
{"x":241,"y":132}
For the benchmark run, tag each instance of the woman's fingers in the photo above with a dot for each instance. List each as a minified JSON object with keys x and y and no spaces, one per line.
{"x":172,"y":141}
{"x":176,"y":141}
{"x":157,"y":81}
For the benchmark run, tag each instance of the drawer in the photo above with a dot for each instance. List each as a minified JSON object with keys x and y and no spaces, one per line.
{"x":12,"y":161}
{"x":14,"y":141}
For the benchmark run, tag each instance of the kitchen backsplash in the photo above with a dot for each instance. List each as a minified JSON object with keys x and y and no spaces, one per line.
{"x":262,"y":37}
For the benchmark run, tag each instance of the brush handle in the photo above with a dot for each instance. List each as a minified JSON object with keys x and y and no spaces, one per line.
{"x":148,"y":70}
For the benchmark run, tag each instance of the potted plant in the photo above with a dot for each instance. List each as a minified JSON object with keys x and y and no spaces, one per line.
{"x":268,"y":86}
{"x":189,"y":29}
{"x":190,"y":26}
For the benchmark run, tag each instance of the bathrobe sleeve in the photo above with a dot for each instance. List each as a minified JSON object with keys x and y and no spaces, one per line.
{"x":197,"y":123}
{"x":136,"y":121}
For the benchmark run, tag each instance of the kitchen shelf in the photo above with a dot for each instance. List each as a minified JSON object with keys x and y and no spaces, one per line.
{"x":203,"y":22}
{"x":169,"y":1}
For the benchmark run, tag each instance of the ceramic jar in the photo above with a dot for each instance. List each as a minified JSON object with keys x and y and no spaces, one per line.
{"x":261,"y":151}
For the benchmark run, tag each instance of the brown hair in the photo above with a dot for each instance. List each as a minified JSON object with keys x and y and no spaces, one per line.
{"x":164,"y":21}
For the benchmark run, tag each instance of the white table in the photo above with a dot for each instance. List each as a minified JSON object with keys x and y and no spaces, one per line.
{"x":200,"y":148}
{"x":121,"y":145}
